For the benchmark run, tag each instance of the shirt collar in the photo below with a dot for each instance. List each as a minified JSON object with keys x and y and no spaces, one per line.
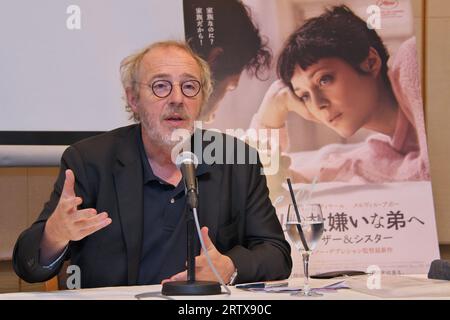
{"x":148,"y":174}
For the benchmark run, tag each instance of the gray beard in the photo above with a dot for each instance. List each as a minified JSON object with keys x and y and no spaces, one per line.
{"x":163,"y":141}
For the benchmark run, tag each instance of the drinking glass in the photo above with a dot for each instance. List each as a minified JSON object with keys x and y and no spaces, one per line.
{"x":309,"y":221}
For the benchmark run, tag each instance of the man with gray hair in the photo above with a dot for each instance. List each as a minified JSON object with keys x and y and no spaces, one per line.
{"x":117,"y":208}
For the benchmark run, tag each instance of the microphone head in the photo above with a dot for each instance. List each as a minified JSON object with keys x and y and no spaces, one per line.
{"x":186,"y":157}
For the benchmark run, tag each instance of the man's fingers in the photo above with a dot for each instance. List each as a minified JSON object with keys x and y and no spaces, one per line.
{"x":68,"y":190}
{"x":94,"y":228}
{"x":204,"y":274}
{"x":70,"y":204}
{"x":182,"y":276}
{"x":92,"y":222}
{"x":85,"y":214}
{"x":201,"y":261}
{"x":91,"y":230}
{"x":208,"y":243}
{"x":166,"y":280}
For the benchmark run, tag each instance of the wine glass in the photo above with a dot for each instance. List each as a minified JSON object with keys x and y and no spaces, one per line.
{"x":308,"y":221}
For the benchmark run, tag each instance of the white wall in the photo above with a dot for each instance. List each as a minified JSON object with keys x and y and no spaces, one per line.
{"x":53,"y":78}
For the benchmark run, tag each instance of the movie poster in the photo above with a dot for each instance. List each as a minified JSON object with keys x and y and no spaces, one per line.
{"x":329,"y":93}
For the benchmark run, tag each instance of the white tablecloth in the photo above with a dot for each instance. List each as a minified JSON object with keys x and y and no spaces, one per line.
{"x":391,"y":287}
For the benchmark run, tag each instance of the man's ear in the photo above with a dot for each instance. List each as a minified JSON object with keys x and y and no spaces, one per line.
{"x":132,"y":98}
{"x":214,"y":55}
{"x":372,"y":64}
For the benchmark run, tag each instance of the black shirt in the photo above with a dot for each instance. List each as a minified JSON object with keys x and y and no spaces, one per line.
{"x":164,"y":247}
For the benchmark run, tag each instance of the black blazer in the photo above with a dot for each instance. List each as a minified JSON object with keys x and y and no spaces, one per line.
{"x":233,"y":203}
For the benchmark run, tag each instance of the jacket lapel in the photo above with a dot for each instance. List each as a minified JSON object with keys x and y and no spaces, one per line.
{"x":128,"y":182}
{"x":209,"y":194}
{"x":209,"y":204}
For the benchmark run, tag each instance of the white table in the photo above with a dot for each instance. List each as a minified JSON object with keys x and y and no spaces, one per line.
{"x":392,"y":287}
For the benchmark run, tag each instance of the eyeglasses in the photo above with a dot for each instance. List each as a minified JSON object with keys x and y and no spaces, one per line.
{"x":163,"y":88}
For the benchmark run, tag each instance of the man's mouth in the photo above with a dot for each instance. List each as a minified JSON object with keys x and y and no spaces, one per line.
{"x":175,"y":119}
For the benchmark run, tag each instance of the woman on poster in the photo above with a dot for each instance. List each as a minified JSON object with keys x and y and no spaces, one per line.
{"x":334,"y":71}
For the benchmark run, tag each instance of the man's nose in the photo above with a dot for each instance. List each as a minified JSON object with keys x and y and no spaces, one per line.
{"x":176,"y":96}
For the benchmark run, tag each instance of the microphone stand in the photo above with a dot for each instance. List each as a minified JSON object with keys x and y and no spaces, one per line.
{"x":191,"y":286}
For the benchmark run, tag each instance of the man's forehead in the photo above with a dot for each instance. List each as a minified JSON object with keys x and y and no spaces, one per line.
{"x":169,"y":61}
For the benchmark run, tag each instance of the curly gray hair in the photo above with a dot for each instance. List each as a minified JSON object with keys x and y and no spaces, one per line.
{"x":129,"y":71}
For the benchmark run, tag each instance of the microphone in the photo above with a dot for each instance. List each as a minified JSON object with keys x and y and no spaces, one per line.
{"x":187,"y":162}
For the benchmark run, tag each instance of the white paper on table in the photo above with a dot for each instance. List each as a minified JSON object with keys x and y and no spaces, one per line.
{"x":401,"y":287}
{"x":330,"y":287}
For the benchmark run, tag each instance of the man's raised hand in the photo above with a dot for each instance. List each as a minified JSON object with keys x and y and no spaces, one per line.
{"x":67,"y":223}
